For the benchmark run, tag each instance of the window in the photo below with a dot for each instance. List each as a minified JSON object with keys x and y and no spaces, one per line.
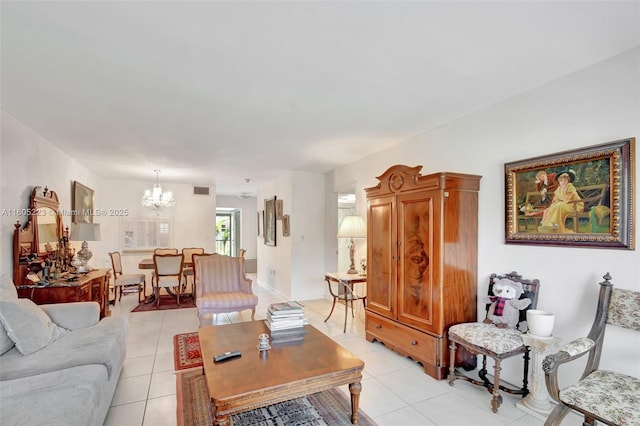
{"x":144,"y":234}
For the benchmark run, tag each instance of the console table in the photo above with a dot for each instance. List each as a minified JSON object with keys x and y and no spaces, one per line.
{"x":92,"y":287}
{"x":346,"y":292}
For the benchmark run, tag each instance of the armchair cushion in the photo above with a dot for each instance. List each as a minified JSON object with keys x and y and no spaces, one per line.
{"x":130,"y":279}
{"x":609,"y":395}
{"x":227,"y":300}
{"x":488,"y":336}
{"x":27,"y":325}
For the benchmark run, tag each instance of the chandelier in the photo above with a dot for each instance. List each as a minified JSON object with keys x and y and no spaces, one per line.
{"x":156,"y":199}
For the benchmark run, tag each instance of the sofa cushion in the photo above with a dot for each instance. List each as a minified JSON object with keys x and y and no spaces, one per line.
{"x":7,"y":289}
{"x":102,"y":344}
{"x":27,"y":325}
{"x":71,"y":396}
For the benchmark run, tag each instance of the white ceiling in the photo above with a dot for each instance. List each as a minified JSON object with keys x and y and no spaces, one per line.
{"x":215,"y":92}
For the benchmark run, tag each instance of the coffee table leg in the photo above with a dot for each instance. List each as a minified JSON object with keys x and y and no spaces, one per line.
{"x":221,"y":420}
{"x":355,"y":389}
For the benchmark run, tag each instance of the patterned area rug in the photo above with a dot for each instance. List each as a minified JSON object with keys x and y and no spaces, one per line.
{"x":186,"y":351}
{"x":166,"y":302}
{"x":330,"y":408}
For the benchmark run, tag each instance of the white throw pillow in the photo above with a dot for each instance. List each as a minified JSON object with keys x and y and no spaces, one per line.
{"x":28,"y":326}
{"x":7,"y":289}
{"x":5,"y":341}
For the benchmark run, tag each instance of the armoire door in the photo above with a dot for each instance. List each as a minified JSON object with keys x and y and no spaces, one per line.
{"x":418,"y":266}
{"x":381,"y":257}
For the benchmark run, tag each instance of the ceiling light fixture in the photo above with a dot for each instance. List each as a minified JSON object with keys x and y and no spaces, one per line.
{"x":156,"y":199}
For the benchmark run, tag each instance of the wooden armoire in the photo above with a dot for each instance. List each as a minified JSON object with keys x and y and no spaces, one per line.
{"x":422,"y":245}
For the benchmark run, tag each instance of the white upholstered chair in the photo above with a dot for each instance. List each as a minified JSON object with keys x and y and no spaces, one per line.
{"x":167,"y":274}
{"x":127,"y":283}
{"x":496,"y":343}
{"x":600,"y":395}
{"x":221,"y":285}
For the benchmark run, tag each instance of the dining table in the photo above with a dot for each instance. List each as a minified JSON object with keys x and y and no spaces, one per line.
{"x":147,"y":263}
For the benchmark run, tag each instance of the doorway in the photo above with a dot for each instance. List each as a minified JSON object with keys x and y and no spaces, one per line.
{"x":228,"y":231}
{"x":346,"y":207}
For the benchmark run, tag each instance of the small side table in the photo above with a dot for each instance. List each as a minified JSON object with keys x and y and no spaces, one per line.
{"x":537,"y":403}
{"x":346,"y":281}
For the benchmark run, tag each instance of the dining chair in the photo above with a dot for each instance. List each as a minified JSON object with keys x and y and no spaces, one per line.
{"x":488,"y":340}
{"x":187,"y":271}
{"x":126,"y":283}
{"x":162,"y":251}
{"x":168,"y":274}
{"x":600,"y":395}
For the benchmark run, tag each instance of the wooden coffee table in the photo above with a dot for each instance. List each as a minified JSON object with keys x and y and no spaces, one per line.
{"x":285,"y":372}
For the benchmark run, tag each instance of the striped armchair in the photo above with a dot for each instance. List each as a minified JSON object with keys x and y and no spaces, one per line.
{"x":221,"y":285}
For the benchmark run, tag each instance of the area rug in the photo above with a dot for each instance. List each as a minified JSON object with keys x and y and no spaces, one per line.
{"x":330,"y":408}
{"x":186,"y":351}
{"x":166,"y":302}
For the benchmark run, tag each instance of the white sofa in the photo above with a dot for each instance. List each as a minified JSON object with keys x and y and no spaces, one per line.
{"x":59,"y":365}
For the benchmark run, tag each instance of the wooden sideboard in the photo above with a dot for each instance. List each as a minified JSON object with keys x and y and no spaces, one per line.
{"x":94,"y":286}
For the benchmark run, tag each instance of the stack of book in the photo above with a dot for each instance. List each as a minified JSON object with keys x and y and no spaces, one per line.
{"x":285,"y":316}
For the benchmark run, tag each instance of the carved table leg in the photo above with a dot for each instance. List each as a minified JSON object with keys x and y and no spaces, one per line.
{"x":355,"y":389}
{"x":221,"y":420}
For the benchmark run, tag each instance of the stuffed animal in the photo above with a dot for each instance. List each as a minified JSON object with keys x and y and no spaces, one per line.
{"x":506,"y":303}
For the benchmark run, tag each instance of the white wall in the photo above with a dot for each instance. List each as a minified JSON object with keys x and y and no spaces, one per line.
{"x":193,"y":219}
{"x":596,"y":105}
{"x":294,"y":268}
{"x":28,"y":160}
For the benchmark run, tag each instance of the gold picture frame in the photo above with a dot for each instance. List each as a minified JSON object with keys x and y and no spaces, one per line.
{"x":270,"y":221}
{"x":82,"y":202}
{"x":286,"y":225}
{"x":579,"y":198}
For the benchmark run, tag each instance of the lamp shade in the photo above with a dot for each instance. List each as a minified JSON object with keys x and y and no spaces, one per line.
{"x":352,"y":227}
{"x":85,"y":232}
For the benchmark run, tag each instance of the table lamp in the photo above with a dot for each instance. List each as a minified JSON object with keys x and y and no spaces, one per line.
{"x":352,"y":227}
{"x":84,"y":232}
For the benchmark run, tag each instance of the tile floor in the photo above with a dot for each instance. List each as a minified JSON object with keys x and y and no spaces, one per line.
{"x":395,"y":391}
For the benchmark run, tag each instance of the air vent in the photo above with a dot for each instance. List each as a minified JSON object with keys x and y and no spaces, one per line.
{"x":200,"y":190}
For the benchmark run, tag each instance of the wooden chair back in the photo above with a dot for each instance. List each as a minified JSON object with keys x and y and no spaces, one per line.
{"x":165,"y":251}
{"x":530,"y":288}
{"x":116,"y":263}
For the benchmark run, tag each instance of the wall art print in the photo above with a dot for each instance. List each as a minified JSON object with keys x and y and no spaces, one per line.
{"x":580,"y":198}
{"x":270,"y":221}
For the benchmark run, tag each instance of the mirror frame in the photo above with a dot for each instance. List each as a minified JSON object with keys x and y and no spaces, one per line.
{"x":26,"y":242}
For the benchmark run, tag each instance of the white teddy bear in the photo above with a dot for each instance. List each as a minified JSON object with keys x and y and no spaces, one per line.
{"x":506,"y":303}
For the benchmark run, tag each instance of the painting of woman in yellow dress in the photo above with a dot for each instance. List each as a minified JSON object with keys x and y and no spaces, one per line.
{"x":565,"y":201}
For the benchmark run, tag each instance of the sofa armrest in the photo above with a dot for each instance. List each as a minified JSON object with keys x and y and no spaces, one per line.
{"x":74,"y":315}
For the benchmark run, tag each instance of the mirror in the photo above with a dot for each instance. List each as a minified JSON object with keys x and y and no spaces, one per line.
{"x":42,"y":231}
{"x":47,"y":221}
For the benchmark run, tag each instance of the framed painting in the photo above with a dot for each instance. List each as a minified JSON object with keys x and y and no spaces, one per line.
{"x":270,"y":221}
{"x":286,"y":226}
{"x":279,"y":209}
{"x":580,"y":198}
{"x":259,"y":214}
{"x":82,"y":201}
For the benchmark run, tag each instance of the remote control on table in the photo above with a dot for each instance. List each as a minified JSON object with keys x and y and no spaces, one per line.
{"x":226,"y":355}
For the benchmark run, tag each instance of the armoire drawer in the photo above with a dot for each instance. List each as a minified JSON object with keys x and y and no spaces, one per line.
{"x":406,"y":340}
